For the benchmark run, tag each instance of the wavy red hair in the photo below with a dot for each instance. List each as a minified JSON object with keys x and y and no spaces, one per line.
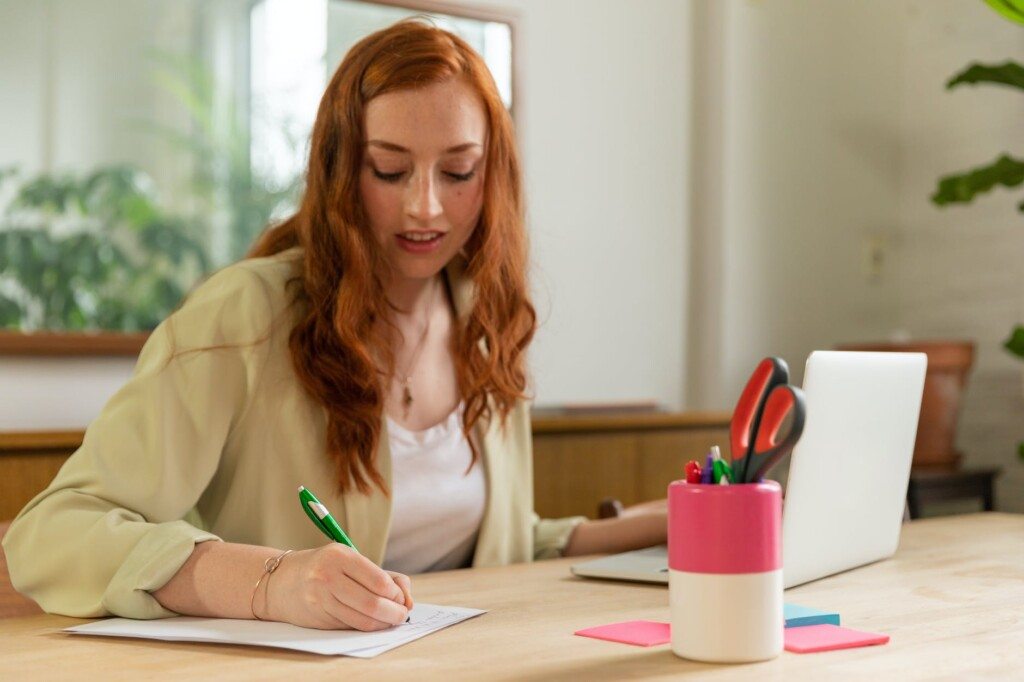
{"x":338,"y":351}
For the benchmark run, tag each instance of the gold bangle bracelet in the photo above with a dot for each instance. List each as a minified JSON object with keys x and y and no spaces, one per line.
{"x":269,"y":566}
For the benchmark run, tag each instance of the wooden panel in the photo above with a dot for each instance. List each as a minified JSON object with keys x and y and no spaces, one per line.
{"x":574,"y":472}
{"x":71,"y":343}
{"x":663,"y":455}
{"x":11,"y":603}
{"x":578,"y":460}
{"x":23,"y":475}
{"x":41,"y":440}
{"x":654,"y":421}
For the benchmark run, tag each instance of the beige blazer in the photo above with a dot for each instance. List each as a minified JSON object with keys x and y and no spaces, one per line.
{"x":213,"y":445}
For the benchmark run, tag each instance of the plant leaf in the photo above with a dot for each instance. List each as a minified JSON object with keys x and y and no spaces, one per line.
{"x":1008,"y":73}
{"x":1011,"y":9}
{"x":1015,"y":344}
{"x":961,"y":188}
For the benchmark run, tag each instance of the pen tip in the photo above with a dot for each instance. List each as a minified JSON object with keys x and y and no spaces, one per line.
{"x":301,"y":488}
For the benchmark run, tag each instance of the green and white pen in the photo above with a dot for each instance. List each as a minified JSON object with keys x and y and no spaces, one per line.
{"x":322,"y":518}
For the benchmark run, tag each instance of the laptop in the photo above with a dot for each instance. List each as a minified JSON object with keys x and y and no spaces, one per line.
{"x":848,"y":474}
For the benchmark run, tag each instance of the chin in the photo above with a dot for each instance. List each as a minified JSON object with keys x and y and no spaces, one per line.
{"x":419,"y":268}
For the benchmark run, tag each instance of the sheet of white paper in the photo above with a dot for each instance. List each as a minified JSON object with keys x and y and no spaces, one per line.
{"x":423,"y":620}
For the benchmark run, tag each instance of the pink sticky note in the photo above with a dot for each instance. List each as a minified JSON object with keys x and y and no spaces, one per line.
{"x":813,"y":638}
{"x":636,"y":632}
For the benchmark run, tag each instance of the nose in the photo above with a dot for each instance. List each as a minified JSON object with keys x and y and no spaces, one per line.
{"x":421,"y":200}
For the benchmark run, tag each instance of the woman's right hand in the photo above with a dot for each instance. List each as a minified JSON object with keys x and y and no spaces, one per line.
{"x":335,"y":587}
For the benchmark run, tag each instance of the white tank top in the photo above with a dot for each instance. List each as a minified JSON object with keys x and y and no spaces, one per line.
{"x":436,"y":507}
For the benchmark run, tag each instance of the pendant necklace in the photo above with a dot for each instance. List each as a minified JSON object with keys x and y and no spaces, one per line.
{"x":406,"y":377}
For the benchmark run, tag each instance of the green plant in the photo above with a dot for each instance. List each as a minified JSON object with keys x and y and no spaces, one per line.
{"x":91,"y":251}
{"x":99,"y":251}
{"x":1011,"y":9}
{"x":961,"y":188}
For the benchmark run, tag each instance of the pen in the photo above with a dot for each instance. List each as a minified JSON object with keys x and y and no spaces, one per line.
{"x":692,"y":472}
{"x":707,"y":473}
{"x":722,"y":471}
{"x":322,"y":518}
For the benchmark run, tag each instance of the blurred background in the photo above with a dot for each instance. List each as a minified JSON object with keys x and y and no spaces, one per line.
{"x":708,"y":182}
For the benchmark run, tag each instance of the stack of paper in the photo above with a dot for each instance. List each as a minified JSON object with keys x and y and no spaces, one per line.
{"x":423,"y":620}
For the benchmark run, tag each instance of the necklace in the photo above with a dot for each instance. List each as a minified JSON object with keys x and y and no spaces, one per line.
{"x":406,"y":376}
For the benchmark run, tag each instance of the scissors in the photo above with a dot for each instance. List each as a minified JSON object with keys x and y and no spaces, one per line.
{"x":764,"y":406}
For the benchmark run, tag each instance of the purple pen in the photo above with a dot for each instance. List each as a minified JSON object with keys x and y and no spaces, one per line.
{"x":707,"y":475}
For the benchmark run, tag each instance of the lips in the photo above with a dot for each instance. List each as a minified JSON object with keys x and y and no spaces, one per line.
{"x":421,"y":236}
{"x":424,"y":241}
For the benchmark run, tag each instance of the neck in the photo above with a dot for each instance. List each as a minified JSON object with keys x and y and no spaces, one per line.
{"x":413,"y":297}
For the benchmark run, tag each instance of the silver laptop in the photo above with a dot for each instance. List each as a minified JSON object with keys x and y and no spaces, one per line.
{"x":848,"y":475}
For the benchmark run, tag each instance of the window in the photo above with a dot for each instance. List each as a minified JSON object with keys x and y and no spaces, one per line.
{"x":151,"y":141}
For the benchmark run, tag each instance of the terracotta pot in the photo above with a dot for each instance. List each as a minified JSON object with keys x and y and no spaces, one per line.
{"x":948,"y":365}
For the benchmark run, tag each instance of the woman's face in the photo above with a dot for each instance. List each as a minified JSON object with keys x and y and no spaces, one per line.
{"x":423,"y":174}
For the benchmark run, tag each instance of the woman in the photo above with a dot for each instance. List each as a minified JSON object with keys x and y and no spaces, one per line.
{"x":372,"y":349}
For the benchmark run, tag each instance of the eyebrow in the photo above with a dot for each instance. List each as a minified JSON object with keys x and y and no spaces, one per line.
{"x":391,"y":146}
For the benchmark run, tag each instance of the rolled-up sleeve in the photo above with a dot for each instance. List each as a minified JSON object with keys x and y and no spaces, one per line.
{"x":550,"y":536}
{"x":114,"y":523}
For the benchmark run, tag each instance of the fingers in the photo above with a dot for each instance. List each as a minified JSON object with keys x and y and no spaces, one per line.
{"x":339,"y":616}
{"x":405,"y":585}
{"x":378,"y":608}
{"x":373,"y":577}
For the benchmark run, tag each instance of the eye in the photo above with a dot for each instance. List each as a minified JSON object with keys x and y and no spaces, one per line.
{"x":394,"y":177}
{"x":388,"y":177}
{"x":461,"y":178}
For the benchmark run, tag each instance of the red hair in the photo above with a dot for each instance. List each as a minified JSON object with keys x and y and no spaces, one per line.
{"x":337,"y":348}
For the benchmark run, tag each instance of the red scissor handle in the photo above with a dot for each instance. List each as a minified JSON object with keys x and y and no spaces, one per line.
{"x":769,"y":373}
{"x":784,"y":402}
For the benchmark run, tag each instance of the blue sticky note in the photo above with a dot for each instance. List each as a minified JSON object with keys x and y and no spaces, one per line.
{"x":798,"y":616}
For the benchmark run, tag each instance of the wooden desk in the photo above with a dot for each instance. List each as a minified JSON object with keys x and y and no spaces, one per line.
{"x":951,"y":599}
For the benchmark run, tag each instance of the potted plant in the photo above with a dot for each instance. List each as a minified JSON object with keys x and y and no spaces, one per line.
{"x":1006,"y":170}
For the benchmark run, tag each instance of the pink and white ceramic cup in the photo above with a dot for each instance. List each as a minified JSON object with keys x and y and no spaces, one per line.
{"x":725,"y":571}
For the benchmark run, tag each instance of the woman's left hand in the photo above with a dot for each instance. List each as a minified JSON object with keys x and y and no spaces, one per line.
{"x":651,"y":507}
{"x":641,"y":525}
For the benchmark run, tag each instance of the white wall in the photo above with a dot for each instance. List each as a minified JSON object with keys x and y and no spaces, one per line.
{"x":604,"y":118}
{"x":796,"y":171}
{"x":46,"y":394}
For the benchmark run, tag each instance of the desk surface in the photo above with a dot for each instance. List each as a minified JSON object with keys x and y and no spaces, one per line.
{"x":952,"y":599}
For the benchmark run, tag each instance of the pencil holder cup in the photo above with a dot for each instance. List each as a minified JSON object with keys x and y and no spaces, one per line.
{"x":725,"y":571}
